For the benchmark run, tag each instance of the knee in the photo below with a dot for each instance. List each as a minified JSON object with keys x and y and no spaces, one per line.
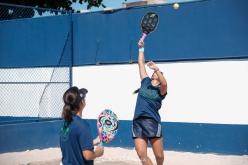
{"x":142,"y":155}
{"x":159,"y":157}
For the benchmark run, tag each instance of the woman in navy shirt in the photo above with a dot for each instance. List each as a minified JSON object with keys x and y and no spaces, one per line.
{"x":146,"y":122}
{"x":76,"y":141}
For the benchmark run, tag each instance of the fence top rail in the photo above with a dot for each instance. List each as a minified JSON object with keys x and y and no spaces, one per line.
{"x":31,"y":7}
{"x":13,"y":11}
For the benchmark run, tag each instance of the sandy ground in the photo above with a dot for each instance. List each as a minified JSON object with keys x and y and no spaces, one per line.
{"x":121,"y":156}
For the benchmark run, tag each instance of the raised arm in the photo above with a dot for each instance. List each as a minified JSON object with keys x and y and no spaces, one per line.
{"x":141,"y":61}
{"x":161,"y":78}
{"x":163,"y":83}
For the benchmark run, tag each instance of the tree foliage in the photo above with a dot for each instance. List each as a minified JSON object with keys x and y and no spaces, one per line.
{"x":12,"y":12}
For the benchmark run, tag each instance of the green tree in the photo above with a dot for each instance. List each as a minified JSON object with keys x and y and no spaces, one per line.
{"x":13,"y":12}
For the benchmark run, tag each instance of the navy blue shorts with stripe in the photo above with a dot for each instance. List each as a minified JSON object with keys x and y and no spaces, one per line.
{"x":145,"y":127}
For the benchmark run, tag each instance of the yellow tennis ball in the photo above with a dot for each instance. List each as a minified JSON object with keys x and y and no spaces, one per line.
{"x":175,"y":6}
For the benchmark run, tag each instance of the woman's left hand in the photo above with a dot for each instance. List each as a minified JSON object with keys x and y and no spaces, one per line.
{"x":96,"y":141}
{"x":152,"y":66}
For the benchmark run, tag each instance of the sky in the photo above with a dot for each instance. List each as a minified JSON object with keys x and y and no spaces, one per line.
{"x":114,"y":4}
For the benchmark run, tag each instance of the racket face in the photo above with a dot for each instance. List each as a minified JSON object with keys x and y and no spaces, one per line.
{"x":107,"y":125}
{"x":149,"y":22}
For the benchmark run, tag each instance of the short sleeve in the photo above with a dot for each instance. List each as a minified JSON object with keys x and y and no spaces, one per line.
{"x":146,"y":81}
{"x":86,"y":139}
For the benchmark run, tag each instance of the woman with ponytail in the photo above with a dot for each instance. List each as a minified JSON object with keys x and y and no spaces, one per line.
{"x":76,"y":142}
{"x":147,"y":122}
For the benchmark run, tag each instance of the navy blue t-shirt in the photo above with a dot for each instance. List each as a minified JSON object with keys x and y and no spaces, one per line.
{"x":149,"y":100}
{"x":74,"y":139}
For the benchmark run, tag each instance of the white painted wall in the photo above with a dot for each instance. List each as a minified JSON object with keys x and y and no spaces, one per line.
{"x":205,"y":92}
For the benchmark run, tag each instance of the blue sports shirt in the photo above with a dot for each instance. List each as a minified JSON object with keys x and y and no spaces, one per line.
{"x":149,"y":101}
{"x":74,"y":139}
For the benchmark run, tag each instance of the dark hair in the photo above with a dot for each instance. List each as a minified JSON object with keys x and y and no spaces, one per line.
{"x":137,"y":90}
{"x":72,"y":102}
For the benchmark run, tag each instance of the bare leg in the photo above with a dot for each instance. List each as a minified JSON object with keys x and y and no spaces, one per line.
{"x":141,"y":149}
{"x":158,"y":149}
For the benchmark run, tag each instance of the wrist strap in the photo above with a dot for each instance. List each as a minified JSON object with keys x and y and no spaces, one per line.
{"x":141,"y":49}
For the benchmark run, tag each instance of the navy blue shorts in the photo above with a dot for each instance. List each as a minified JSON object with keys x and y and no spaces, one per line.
{"x":144,"y":127}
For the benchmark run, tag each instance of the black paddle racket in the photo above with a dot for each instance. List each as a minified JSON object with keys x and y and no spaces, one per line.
{"x":149,"y":23}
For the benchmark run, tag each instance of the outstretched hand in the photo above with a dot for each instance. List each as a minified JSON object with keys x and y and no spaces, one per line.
{"x":141,"y":44}
{"x":152,"y":66}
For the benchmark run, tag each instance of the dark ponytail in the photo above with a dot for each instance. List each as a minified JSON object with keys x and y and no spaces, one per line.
{"x":72,"y":104}
{"x":136,"y":91}
{"x":67,"y":113}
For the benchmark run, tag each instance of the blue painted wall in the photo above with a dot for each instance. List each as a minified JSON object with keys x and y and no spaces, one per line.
{"x":26,"y":136}
{"x":35,"y":42}
{"x":189,"y":137}
{"x":192,"y":137}
{"x":210,"y":29}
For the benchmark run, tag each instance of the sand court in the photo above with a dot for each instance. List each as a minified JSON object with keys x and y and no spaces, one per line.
{"x":121,"y":156}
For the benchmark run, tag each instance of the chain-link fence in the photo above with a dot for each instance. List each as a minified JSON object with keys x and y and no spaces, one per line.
{"x":32,"y":93}
{"x":10,"y":11}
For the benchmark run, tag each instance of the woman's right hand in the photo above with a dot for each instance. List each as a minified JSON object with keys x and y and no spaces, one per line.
{"x":99,"y":150}
{"x":141,"y":44}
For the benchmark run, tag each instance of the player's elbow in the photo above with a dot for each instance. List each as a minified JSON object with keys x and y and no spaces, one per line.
{"x":88,"y":155}
{"x":163,"y":84}
{"x":163,"y":89}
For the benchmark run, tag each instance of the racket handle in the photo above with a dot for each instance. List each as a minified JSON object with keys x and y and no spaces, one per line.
{"x":142,"y":38}
{"x":100,"y":144}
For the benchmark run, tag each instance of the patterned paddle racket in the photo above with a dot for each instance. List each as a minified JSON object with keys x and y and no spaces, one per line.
{"x":107,"y":125}
{"x":149,"y":23}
